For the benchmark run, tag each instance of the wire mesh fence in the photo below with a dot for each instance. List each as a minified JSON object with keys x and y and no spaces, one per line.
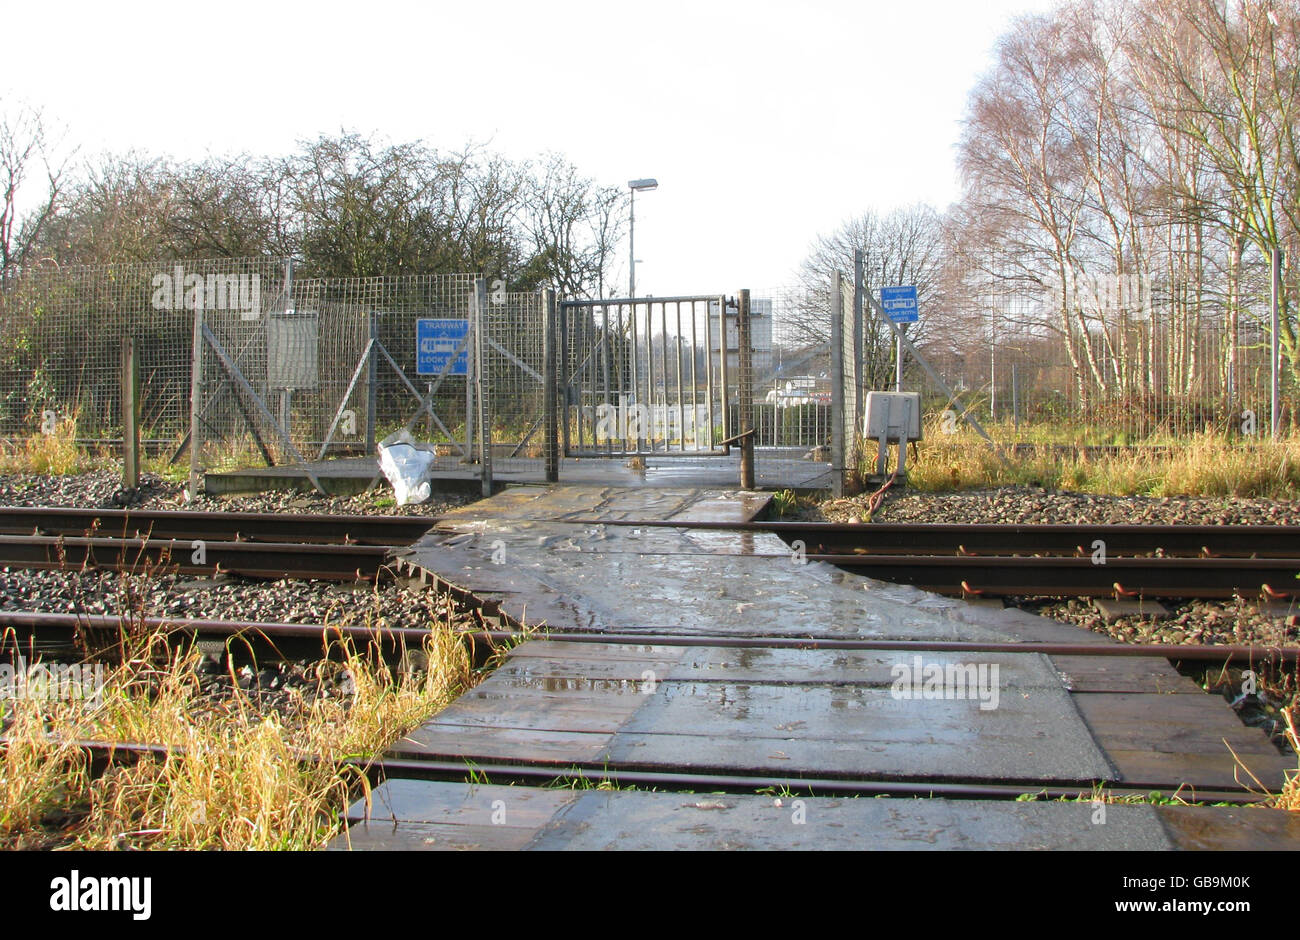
{"x":792,"y":369}
{"x":61,"y":331}
{"x":512,"y":357}
{"x":1040,"y":358}
{"x":304,"y":369}
{"x":1100,"y":357}
{"x":332,"y":367}
{"x":290,"y":370}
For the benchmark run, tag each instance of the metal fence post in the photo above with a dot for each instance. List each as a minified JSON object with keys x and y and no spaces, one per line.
{"x":857,"y":383}
{"x":130,"y":415}
{"x":372,"y":382}
{"x":471,"y":379}
{"x":837,"y":384}
{"x":196,"y":406}
{"x":745,"y":381}
{"x":549,"y":387}
{"x":482,"y":388}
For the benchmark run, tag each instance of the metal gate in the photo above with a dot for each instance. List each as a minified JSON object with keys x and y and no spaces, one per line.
{"x":663,"y":376}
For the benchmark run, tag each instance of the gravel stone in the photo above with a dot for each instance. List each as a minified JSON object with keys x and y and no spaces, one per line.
{"x":102,"y":489}
{"x":275,"y":689}
{"x":1023,"y":504}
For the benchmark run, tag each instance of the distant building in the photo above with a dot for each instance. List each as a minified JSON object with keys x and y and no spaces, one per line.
{"x":760,"y":339}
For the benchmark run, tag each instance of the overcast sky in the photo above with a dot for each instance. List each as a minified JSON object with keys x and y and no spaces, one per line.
{"x":765,"y":123}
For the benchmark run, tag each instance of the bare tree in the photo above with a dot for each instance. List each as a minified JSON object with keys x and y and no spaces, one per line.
{"x":572,"y":226}
{"x":25,"y":151}
{"x":901,"y":247}
{"x":1223,"y":79}
{"x":119,"y":210}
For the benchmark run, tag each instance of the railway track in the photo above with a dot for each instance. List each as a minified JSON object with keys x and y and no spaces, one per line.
{"x":1027,"y":576}
{"x":254,"y":545}
{"x":950,"y":559}
{"x":50,"y":624}
{"x":220,"y":526}
{"x":668,"y":775}
{"x":829,"y":538}
{"x":106,"y":754}
{"x":1171,"y":561}
{"x":961,"y":560}
{"x":196,"y":556}
{"x":891,"y":538}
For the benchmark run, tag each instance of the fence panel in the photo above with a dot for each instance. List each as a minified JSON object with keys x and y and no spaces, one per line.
{"x":61,"y":331}
{"x":515,"y":379}
{"x":327,"y":367}
{"x":649,"y":376}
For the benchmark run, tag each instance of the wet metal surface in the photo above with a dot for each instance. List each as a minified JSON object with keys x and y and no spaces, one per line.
{"x":448,"y":816}
{"x":602,"y":821}
{"x":916,"y":717}
{"x":419,"y":815}
{"x":845,"y":714}
{"x":871,"y":715}
{"x":562,"y":502}
{"x":589,"y":577}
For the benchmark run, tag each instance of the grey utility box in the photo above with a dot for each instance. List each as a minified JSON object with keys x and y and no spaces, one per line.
{"x":893,"y":417}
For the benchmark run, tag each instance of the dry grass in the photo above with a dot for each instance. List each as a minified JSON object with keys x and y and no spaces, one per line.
{"x":236,"y":777}
{"x":1199,"y":466}
{"x":56,"y":453}
{"x":1289,"y":797}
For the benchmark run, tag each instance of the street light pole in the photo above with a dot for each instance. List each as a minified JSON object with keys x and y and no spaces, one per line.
{"x":644,"y":185}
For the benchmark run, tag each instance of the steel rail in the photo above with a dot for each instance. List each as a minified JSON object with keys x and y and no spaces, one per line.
{"x":105,"y":754}
{"x":1024,"y":576}
{"x":35,"y":620}
{"x":709,"y":779}
{"x":332,"y":528}
{"x":269,"y":560}
{"x":931,"y":538}
{"x":1058,"y":576}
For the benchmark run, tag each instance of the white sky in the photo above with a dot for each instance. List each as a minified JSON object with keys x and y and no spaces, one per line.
{"x":765,"y":123}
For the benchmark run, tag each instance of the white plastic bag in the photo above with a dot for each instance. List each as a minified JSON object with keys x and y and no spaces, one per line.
{"x":406,"y":466}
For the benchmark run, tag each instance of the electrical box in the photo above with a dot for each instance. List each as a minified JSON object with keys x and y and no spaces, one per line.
{"x":291,"y":350}
{"x":893,"y":417}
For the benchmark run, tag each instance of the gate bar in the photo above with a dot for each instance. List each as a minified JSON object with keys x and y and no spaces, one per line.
{"x":552,"y":443}
{"x":745,"y":390}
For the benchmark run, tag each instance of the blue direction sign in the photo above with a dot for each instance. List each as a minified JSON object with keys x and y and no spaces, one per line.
{"x":899,"y":303}
{"x":435,"y":343}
